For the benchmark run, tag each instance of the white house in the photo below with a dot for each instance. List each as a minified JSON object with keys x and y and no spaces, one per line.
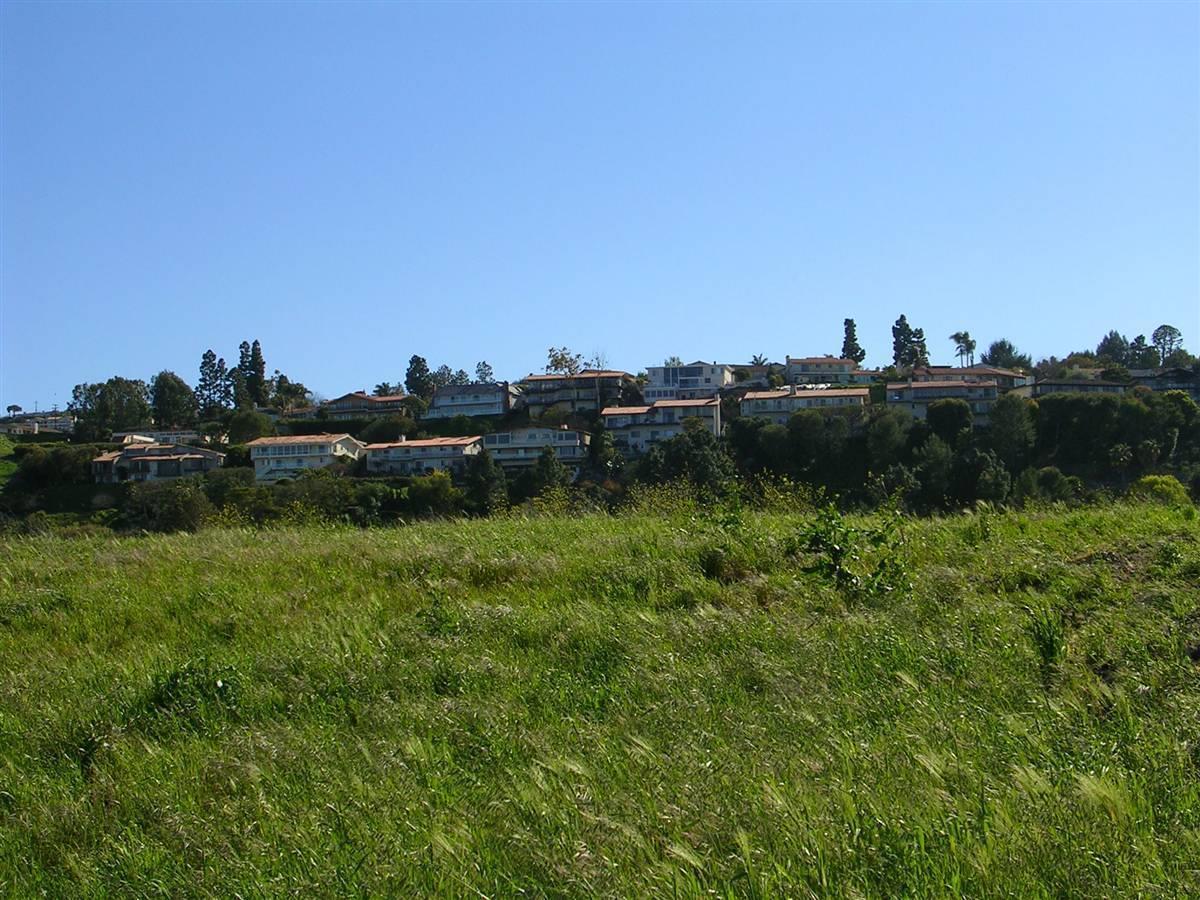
{"x":452,"y":400}
{"x":636,"y":428}
{"x":1006,"y":379}
{"x":151,"y":461}
{"x":915,"y":396}
{"x":441,"y":454}
{"x":168,"y":436}
{"x":519,"y":449}
{"x":699,"y":379}
{"x":826,"y":370}
{"x":778,"y":405}
{"x":286,"y":457}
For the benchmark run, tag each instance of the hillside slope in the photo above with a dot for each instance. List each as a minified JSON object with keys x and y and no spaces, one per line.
{"x":605,"y":706}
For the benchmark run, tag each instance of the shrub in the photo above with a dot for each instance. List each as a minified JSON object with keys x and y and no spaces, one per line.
{"x":1164,"y":489}
{"x":167,"y":506}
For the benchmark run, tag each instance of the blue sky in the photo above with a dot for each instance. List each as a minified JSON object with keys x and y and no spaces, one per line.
{"x":355,"y":183}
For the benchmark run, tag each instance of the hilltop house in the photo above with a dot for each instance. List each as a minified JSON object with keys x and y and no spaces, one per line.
{"x":1006,"y":379}
{"x":152,"y":461}
{"x":779,"y":405}
{"x":636,"y":428}
{"x":591,"y":389}
{"x":915,"y":396}
{"x":519,"y":449}
{"x":441,"y":454}
{"x":450,"y":400}
{"x":1176,"y":378}
{"x":168,"y":436}
{"x":361,"y":405}
{"x":699,"y":379}
{"x":286,"y":457}
{"x":826,"y":370}
{"x":1047,"y":386}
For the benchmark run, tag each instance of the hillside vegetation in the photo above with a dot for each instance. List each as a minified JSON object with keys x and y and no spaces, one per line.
{"x":747,"y":704}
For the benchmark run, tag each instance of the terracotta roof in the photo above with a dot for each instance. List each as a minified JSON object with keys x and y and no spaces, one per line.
{"x":935,"y":385}
{"x":295,"y":439}
{"x":967,"y":370}
{"x":784,"y":392}
{"x":701,"y":401}
{"x":110,"y":456}
{"x":624,"y":410}
{"x":1082,"y":382}
{"x":154,"y":457}
{"x":429,"y":442}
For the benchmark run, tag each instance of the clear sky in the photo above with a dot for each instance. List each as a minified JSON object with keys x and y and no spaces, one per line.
{"x":355,"y":183}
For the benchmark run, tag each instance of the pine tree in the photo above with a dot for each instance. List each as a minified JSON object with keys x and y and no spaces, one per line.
{"x":902,"y":338}
{"x":850,"y":345}
{"x":256,"y":377}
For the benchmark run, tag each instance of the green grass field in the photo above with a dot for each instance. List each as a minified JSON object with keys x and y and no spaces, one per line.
{"x":622,"y":706}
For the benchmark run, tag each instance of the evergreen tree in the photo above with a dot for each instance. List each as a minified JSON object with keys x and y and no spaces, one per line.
{"x":1113,"y":348}
{"x":484,"y":373}
{"x":1004,"y":355}
{"x":919,"y":353}
{"x":209,"y":387}
{"x":256,"y":376}
{"x":486,"y":490}
{"x":418,"y":378}
{"x":173,"y":402}
{"x":1166,"y":340}
{"x":850,"y":347}
{"x":902,"y":339}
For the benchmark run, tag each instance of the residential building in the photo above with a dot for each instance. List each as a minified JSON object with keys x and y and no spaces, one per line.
{"x":779,"y":405}
{"x":442,"y":454}
{"x":590,"y":390}
{"x":286,"y":457}
{"x":519,"y":448}
{"x":38,"y":423}
{"x":636,"y":428}
{"x":142,"y":461}
{"x":452,"y":400}
{"x":1177,"y":378}
{"x":827,"y":370}
{"x":1006,"y":379}
{"x":699,"y":379}
{"x":168,"y":436}
{"x":915,"y":396}
{"x":361,"y":405}
{"x":1076,"y":386}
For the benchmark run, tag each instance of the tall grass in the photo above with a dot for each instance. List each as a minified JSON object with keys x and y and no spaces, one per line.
{"x":674,"y":704}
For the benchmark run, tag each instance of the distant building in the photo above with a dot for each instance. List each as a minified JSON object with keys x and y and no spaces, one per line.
{"x":452,"y":400}
{"x":519,"y":448}
{"x":141,"y":461}
{"x":590,"y":390}
{"x":168,"y":436}
{"x":1178,"y":378}
{"x":286,"y":457}
{"x":635,"y":429}
{"x":779,"y":405}
{"x":37,"y":423}
{"x":697,"y":380}
{"x":1048,"y":386}
{"x":361,"y":405}
{"x":827,"y":370}
{"x":1006,"y":379}
{"x":442,"y":454}
{"x":915,"y":396}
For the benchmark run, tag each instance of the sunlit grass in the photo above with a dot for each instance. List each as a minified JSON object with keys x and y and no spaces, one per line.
{"x":642,"y":705}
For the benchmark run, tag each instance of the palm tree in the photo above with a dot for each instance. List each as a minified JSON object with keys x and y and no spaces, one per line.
{"x":964,"y":347}
{"x":758,"y":360}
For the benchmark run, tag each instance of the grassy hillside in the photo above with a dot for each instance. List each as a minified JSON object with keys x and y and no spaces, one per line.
{"x":605,"y":706}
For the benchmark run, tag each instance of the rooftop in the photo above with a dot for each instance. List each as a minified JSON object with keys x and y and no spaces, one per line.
{"x":780,"y":393}
{"x":429,"y":442}
{"x":295,"y":439}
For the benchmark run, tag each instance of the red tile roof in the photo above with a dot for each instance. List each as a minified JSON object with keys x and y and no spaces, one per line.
{"x":429,"y":442}
{"x":586,"y":373}
{"x":295,"y":439}
{"x":624,"y":410}
{"x":821,"y":359}
{"x":783,"y":392}
{"x":936,"y":385}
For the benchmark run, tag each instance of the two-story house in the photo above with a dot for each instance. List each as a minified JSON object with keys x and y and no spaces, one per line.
{"x":361,"y":405}
{"x":1177,"y":378}
{"x":590,"y":390}
{"x":699,"y":379}
{"x":636,"y":428}
{"x":1046,"y":386}
{"x":1006,"y":379}
{"x":519,"y":448}
{"x":826,"y":370}
{"x":421,"y":457}
{"x":450,"y":400}
{"x":779,"y":405}
{"x":275,"y":458}
{"x":153,"y":461}
{"x":915,"y":396}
